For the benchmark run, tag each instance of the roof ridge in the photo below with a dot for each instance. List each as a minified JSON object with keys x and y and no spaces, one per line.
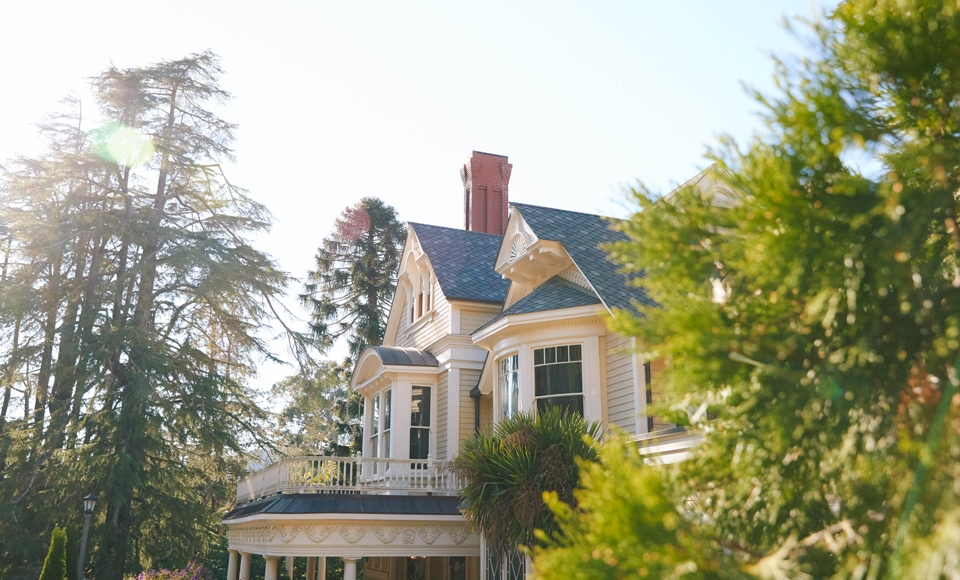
{"x":452,"y":229}
{"x":606,"y":217}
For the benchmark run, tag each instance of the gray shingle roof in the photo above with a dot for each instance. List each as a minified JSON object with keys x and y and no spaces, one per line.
{"x":554,"y":294}
{"x":463,"y":262}
{"x":321,"y":503}
{"x":405,"y":356}
{"x":581,"y":235}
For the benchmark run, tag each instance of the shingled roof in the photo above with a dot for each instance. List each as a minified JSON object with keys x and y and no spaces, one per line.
{"x":463,"y":262}
{"x":582,"y":235}
{"x":321,"y":503}
{"x":554,"y":294}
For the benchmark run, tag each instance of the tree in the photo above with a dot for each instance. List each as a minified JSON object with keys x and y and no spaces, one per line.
{"x":506,"y":474}
{"x":130,"y":303}
{"x":310,"y":421}
{"x":349,"y":292}
{"x":818,"y":318}
{"x":55,"y":565}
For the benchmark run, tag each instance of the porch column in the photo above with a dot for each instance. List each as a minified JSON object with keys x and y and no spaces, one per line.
{"x":273,"y":568}
{"x":232,"y":565}
{"x":311,"y":568}
{"x":322,"y":569}
{"x":290,"y":567}
{"x":244,"y":565}
{"x":349,"y":569}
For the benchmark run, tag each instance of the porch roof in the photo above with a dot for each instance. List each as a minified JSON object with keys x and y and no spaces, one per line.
{"x":321,"y":503}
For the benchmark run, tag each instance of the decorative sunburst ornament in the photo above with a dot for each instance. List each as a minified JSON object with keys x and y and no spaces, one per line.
{"x":517,"y":247}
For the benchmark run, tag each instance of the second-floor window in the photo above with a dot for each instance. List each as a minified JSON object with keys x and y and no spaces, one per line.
{"x":420,"y":423}
{"x":375,"y":428}
{"x":509,"y":386}
{"x":558,"y":378}
{"x":380,"y":424}
{"x":387,"y":411}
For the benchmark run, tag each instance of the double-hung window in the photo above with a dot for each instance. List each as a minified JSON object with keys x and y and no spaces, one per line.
{"x":420,"y":423}
{"x":375,"y":428}
{"x":558,"y":378}
{"x":387,"y":412}
{"x":509,"y":386}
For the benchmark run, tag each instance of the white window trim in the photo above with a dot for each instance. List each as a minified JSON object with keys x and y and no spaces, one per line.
{"x":583,"y":374}
{"x":497,"y":403}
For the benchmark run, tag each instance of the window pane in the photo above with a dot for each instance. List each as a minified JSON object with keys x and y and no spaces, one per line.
{"x":550,"y":355}
{"x":558,"y":379}
{"x":538,"y":356}
{"x":562,"y":354}
{"x":387,"y":408}
{"x":572,"y":404}
{"x":575,"y":352}
{"x":376,"y":414}
{"x":419,"y":443}
{"x":420,"y":407}
{"x":386,"y":445}
{"x":375,"y":446}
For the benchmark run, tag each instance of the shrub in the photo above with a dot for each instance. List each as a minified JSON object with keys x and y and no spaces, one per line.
{"x":55,"y":566}
{"x":193,"y":571}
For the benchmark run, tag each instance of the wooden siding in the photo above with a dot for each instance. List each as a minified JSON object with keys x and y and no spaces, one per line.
{"x":621,"y":386}
{"x":468,"y":380}
{"x":486,"y":413}
{"x":658,"y":378}
{"x":471,"y":320}
{"x":441,"y":415}
{"x":427,"y":334}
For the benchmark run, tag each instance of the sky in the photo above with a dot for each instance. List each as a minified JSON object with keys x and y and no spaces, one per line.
{"x":337,"y":100}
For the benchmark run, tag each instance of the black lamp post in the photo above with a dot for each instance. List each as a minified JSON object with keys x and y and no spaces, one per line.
{"x":89,"y":502}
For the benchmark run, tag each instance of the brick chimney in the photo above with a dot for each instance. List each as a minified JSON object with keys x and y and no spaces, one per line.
{"x":485,"y":178}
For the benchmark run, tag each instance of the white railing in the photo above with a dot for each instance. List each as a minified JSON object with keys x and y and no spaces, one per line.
{"x":348,"y":475}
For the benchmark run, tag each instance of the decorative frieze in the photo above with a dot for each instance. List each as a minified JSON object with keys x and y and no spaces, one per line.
{"x":350,"y":533}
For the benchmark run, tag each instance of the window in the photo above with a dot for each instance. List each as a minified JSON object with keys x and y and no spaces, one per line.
{"x":558,"y":378}
{"x":509,"y":386}
{"x":387,"y":412}
{"x":420,"y":423}
{"x":375,"y":428}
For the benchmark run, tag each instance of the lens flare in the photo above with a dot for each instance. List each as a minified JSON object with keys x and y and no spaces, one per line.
{"x":124,"y":145}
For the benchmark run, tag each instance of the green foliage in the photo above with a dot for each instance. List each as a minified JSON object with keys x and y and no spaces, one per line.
{"x":320,"y":416}
{"x":349,"y":292}
{"x":506,"y":473}
{"x":818,"y":316}
{"x":55,"y":565}
{"x":627,"y":526}
{"x":72,"y":549}
{"x":131,"y":303}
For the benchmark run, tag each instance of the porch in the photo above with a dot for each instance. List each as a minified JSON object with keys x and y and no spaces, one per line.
{"x":349,"y":475}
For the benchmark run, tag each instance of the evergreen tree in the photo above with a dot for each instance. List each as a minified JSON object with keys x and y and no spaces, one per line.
{"x":817,"y":319}
{"x":72,"y":550}
{"x":55,"y":565}
{"x":349,"y":292}
{"x":130,"y":302}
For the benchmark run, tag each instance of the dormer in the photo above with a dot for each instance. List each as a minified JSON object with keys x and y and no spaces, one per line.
{"x":415,"y":282}
{"x":526,"y":260}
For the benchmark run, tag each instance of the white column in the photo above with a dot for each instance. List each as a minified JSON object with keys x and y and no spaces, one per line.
{"x":322,"y":568}
{"x":273,"y":568}
{"x":592,"y":398}
{"x":402,"y":393}
{"x":244,"y":565}
{"x":232,"y":565}
{"x":349,"y":569}
{"x":311,"y":568}
{"x":290,"y":567}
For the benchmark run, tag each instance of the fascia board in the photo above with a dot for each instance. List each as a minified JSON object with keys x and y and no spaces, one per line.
{"x":393,"y":319}
{"x":517,"y":320}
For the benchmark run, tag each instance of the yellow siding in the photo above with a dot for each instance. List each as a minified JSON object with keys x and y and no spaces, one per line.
{"x":468,"y":380}
{"x":621,"y":384}
{"x":471,"y":320}
{"x":427,"y":334}
{"x":441,"y":415}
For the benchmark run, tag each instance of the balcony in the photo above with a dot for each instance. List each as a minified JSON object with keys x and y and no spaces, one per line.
{"x":349,"y":475}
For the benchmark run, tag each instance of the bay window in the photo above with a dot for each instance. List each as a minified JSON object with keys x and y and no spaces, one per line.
{"x":420,"y":423}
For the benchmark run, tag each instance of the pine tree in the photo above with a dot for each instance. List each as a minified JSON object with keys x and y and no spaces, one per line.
{"x":349,"y":292}
{"x":131,"y":301}
{"x":812,"y":326}
{"x":55,"y":565}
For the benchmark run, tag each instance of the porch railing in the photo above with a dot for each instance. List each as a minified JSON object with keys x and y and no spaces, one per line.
{"x":348,"y":475}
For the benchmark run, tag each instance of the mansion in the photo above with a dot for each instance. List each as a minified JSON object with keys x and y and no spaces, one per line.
{"x":502,"y":317}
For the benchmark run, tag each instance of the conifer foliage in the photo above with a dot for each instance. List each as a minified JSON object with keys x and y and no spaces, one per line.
{"x":130,"y":301}
{"x":55,"y":565}
{"x":817,"y":318}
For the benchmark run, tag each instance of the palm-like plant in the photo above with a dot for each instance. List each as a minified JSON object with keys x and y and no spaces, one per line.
{"x":506,"y":473}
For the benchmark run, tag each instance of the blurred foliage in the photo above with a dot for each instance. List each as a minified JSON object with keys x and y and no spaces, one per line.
{"x":506,"y":473}
{"x":809,"y":292}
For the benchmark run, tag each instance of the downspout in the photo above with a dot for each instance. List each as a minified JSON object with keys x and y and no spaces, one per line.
{"x":475,"y":394}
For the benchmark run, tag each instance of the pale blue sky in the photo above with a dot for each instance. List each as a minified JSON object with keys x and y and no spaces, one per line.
{"x":340,"y":100}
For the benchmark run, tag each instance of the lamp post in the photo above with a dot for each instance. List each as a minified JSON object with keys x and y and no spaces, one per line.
{"x":89,"y":502}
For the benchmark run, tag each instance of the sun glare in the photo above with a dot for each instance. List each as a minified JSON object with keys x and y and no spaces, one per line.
{"x":124,"y":145}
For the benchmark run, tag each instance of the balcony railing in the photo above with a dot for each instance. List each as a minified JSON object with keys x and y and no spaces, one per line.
{"x":348,"y":475}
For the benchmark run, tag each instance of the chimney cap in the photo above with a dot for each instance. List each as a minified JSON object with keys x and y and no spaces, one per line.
{"x":490,"y":154}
